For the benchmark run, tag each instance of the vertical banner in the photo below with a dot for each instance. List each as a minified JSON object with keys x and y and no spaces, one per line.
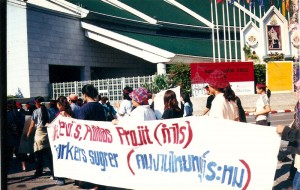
{"x":280,"y":76}
{"x":184,"y":153}
{"x":239,"y":74}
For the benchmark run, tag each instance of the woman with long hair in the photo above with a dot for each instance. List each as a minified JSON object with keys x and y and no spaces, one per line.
{"x":171,"y":109}
{"x":125,"y":107}
{"x":64,"y":107}
{"x":262,"y":105}
{"x":223,"y":105}
{"x":187,"y":104}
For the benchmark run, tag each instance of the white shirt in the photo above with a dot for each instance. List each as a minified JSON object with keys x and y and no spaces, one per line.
{"x":141,"y":113}
{"x":261,"y":103}
{"x":125,"y":108}
{"x":221,"y":108}
{"x":297,"y":162}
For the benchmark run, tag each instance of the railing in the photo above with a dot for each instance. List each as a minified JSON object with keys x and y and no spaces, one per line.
{"x":112,"y":88}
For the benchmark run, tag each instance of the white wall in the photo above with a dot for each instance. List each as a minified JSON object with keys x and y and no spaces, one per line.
{"x":17,"y":49}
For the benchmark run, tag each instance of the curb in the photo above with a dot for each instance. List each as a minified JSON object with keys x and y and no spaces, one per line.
{"x":273,"y":112}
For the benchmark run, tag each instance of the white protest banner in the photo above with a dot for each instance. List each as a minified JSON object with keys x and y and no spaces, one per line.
{"x":159,"y":101}
{"x":185,"y":153}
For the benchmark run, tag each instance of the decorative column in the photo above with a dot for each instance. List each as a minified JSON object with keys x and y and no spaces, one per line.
{"x":161,"y":69}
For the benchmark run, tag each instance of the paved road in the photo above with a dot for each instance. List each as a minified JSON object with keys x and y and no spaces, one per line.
{"x":18,"y":180}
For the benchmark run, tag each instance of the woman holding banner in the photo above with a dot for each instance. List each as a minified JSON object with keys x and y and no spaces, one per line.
{"x":223,"y":105}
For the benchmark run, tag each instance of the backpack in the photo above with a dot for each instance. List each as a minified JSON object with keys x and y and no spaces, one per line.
{"x":109,"y":114}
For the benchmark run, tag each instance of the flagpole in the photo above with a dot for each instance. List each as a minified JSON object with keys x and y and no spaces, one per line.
{"x":224,"y":32}
{"x":234,"y":25}
{"x":244,"y":15}
{"x":228,"y":27}
{"x":240,"y":20}
{"x":213,"y":31}
{"x":259,"y":11}
{"x":218,"y":38}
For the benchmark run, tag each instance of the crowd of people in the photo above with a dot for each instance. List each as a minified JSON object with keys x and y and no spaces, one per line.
{"x":27,"y":128}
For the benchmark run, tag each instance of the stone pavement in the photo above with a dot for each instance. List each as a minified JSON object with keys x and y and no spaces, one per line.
{"x":19,"y":180}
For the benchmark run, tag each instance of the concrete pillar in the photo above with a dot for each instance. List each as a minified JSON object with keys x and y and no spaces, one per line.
{"x":161,"y":69}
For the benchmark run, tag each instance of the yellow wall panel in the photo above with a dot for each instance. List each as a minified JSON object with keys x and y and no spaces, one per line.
{"x":280,"y":76}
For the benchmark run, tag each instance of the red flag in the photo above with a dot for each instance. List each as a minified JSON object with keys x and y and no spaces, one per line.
{"x":287,"y":5}
{"x":219,"y":1}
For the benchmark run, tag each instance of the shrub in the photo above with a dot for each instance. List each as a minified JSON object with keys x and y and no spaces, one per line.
{"x":180,"y":75}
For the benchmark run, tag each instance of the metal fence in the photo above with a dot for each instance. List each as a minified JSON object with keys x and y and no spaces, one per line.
{"x":112,"y":88}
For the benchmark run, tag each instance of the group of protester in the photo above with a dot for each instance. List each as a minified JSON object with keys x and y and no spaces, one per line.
{"x":222,"y":101}
{"x":137,"y":105}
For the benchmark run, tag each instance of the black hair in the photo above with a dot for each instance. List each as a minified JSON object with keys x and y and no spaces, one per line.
{"x":45,"y":116}
{"x":99,"y":97}
{"x":126,"y":92}
{"x":63,"y":101}
{"x":11,"y":104}
{"x":90,"y":91}
{"x":269,"y":93}
{"x":53,"y":104}
{"x":229,"y":93}
{"x":186,"y":98}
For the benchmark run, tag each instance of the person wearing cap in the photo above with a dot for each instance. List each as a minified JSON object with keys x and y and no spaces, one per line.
{"x":209,"y":100}
{"x":263,"y":108}
{"x":142,"y":111}
{"x":223,"y":105}
{"x":291,"y":133}
{"x":30,"y":107}
{"x":75,"y":108}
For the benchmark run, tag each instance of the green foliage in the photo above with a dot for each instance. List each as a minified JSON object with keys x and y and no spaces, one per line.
{"x":247,"y":50}
{"x":274,"y":57}
{"x":160,"y":82}
{"x":259,"y":73}
{"x":180,"y":75}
